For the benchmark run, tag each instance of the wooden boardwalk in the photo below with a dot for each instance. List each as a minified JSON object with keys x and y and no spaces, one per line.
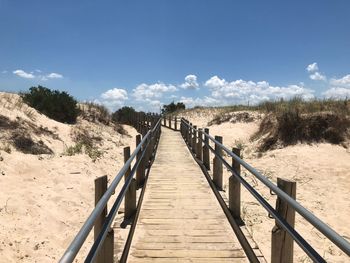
{"x":181,"y":219}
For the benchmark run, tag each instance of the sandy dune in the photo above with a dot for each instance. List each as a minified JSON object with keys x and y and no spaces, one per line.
{"x":322,"y":173}
{"x":44,"y":199}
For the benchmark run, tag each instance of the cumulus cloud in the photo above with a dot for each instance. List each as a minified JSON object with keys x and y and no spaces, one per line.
{"x":54,"y":76}
{"x":190,"y":82}
{"x":114,"y":98}
{"x":342,"y":82}
{"x":21,"y":73}
{"x":339,"y":88}
{"x":242,"y":91}
{"x":206,"y":101}
{"x":317,"y":76}
{"x":337,"y":93}
{"x":31,"y":75}
{"x":314,"y":73}
{"x":312,"y":67}
{"x":153,"y":91}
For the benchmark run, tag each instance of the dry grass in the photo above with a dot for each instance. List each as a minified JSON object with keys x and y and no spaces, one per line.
{"x":95,"y":113}
{"x":85,"y":142}
{"x":25,"y":144}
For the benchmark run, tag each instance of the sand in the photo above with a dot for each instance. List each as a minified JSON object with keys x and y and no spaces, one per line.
{"x":322,"y":173}
{"x":45,"y":199}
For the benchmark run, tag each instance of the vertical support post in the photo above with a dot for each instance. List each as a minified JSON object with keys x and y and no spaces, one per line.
{"x":130,"y":196}
{"x":175,"y":124}
{"x":170,"y":122}
{"x":235,"y":188}
{"x":206,"y":155}
{"x":217,"y":164}
{"x":199,"y":145}
{"x":104,"y":255}
{"x":194,"y":139}
{"x":190,"y":135}
{"x":164,"y":121}
{"x":140,"y":172}
{"x":281,"y":241}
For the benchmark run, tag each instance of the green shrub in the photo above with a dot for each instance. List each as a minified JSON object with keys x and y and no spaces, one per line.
{"x":56,"y":105}
{"x":123,"y":115}
{"x":172,"y":107}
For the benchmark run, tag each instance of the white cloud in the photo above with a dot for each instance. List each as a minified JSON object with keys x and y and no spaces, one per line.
{"x":342,"y":82}
{"x":190,"y":82}
{"x":241,"y":91}
{"x":54,"y":76}
{"x":337,"y":93}
{"x":153,"y":91}
{"x":314,"y":73}
{"x":113,"y":98}
{"x":115,"y":94}
{"x":312,"y":67}
{"x":318,"y":76}
{"x":206,"y":101}
{"x":21,"y":73}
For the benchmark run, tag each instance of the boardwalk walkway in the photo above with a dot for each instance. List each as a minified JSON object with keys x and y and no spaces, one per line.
{"x":180,"y":219}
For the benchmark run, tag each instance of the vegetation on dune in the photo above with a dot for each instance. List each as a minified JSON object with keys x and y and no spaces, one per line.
{"x":56,"y":105}
{"x":293,"y":121}
{"x":172,"y":107}
{"x":123,"y":115}
{"x":287,"y":122}
{"x":94,"y":112}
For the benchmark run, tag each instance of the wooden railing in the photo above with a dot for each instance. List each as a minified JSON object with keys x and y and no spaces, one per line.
{"x":102,"y":250}
{"x":283,"y":233}
{"x":171,"y":122}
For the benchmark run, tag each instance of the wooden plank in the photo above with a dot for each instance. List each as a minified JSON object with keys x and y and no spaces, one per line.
{"x":188,"y":253}
{"x":181,"y":219}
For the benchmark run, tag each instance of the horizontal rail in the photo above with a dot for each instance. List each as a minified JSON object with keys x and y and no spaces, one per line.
{"x":80,"y":238}
{"x":312,"y":253}
{"x":110,"y":217}
{"x":339,"y":241}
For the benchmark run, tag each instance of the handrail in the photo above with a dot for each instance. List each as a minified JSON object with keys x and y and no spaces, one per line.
{"x":80,"y":238}
{"x":109,"y":220}
{"x":339,"y":241}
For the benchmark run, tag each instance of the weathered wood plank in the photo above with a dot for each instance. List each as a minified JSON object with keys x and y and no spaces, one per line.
{"x":180,"y":219}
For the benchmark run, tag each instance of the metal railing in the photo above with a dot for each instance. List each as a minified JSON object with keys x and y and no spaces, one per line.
{"x":149,"y":140}
{"x":189,"y":132}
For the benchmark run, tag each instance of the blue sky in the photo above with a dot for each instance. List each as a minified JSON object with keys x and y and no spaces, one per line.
{"x":145,"y":53}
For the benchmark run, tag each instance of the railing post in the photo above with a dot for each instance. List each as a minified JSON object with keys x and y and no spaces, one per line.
{"x":140,"y":172}
{"x":217,"y":164}
{"x":175,"y":124}
{"x":281,"y":241}
{"x":206,"y":155}
{"x":170,"y":122}
{"x":191,"y":136}
{"x":164,"y":121}
{"x":105,"y":255}
{"x":130,"y":196}
{"x":235,"y":188}
{"x":199,"y":151}
{"x":194,"y":139}
{"x":188,"y":133}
